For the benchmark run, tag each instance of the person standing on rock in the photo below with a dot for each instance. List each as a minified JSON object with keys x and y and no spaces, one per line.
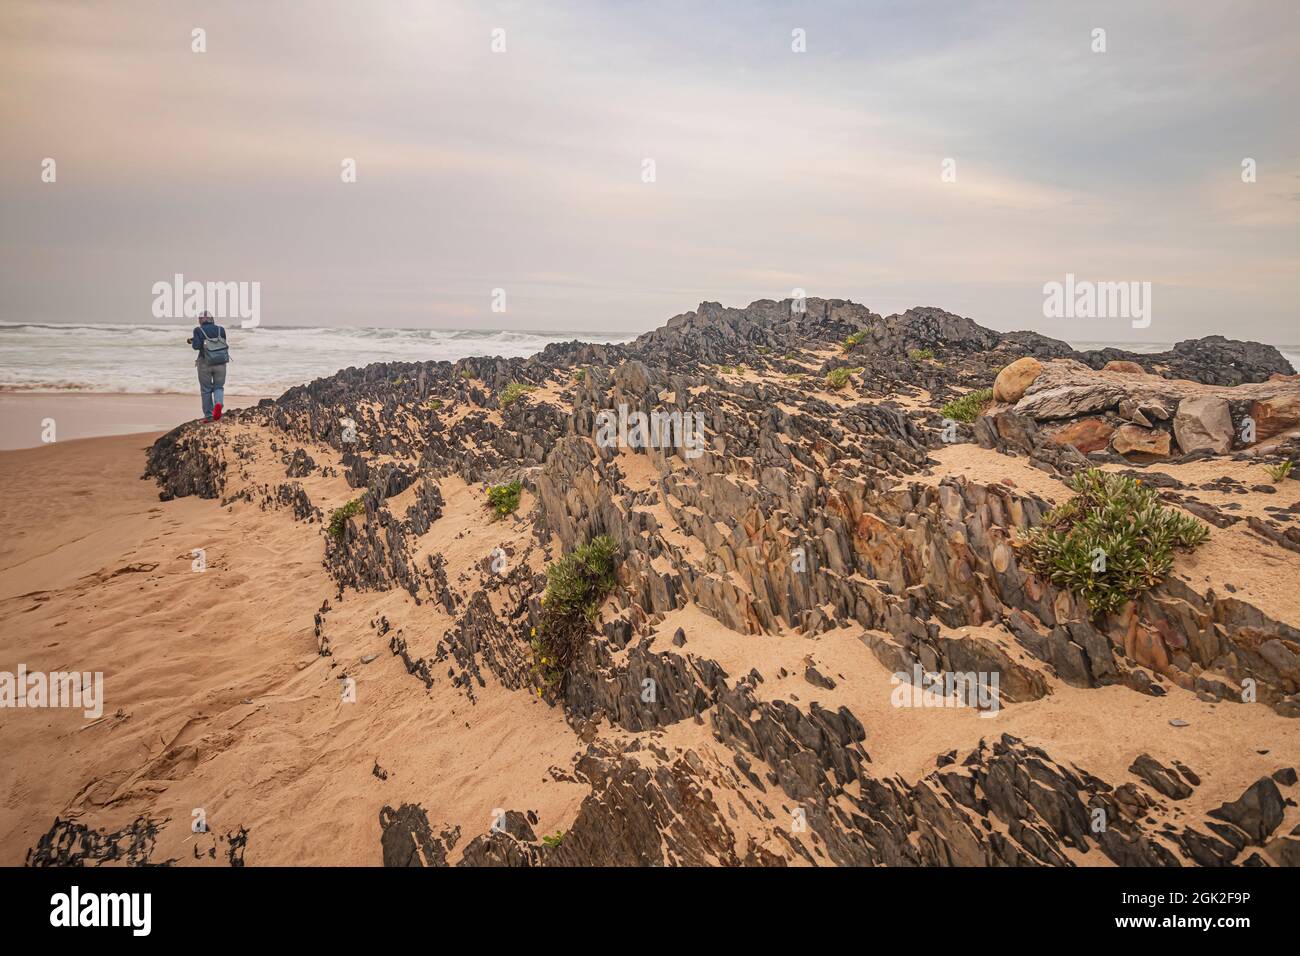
{"x":209,"y":340}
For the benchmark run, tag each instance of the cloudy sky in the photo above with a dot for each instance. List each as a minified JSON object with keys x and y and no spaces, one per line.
{"x":774,"y":169}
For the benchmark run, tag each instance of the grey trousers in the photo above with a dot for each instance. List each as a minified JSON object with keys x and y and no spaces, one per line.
{"x":212,"y":385}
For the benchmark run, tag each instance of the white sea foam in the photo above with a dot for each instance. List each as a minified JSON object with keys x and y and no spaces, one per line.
{"x":264,"y":361}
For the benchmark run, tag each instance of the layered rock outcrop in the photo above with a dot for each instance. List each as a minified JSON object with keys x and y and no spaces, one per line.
{"x":804,"y":513}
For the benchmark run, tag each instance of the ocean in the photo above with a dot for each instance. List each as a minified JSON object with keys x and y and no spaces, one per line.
{"x":157,"y":359}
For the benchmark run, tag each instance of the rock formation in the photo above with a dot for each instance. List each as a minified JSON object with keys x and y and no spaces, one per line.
{"x":805,"y":516}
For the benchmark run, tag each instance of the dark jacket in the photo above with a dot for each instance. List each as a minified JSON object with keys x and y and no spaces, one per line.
{"x":196,"y":341}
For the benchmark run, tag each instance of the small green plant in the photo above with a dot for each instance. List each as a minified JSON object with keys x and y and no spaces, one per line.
{"x":466,"y":373}
{"x":795,"y":376}
{"x":1111,"y":542}
{"x":340,"y":516}
{"x":852,"y":340}
{"x":789,"y":355}
{"x":968,"y":407}
{"x":503,"y":499}
{"x":579,"y":375}
{"x":576,"y":585}
{"x":554,"y":840}
{"x":920,"y":355}
{"x":1279,"y":471}
{"x":583,"y":577}
{"x":513,"y":392}
{"x":837,"y":378}
{"x":434,"y":404}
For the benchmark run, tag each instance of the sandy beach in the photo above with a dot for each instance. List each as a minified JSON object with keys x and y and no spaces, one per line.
{"x":216,"y":696}
{"x":25,"y":416}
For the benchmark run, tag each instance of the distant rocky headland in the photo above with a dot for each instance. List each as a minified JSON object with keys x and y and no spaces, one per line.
{"x":832,"y":588}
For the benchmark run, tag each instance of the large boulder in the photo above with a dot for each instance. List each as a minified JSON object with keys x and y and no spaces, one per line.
{"x":1275,"y":415}
{"x":1012,"y":381}
{"x":1087,"y":434}
{"x":1066,"y":389}
{"x":1134,"y":439}
{"x":1160,"y":777}
{"x":1070,"y":401}
{"x":1203,"y":422}
{"x":1257,"y":812}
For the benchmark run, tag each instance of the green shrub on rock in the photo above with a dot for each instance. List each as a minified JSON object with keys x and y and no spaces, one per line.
{"x":968,"y":407}
{"x":1111,"y":542}
{"x":503,"y":499}
{"x":837,"y":378}
{"x":513,"y":392}
{"x":853,"y":340}
{"x":583,"y":577}
{"x":340,"y":516}
{"x":576,"y":585}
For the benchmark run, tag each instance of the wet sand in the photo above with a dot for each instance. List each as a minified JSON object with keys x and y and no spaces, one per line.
{"x":24,"y":415}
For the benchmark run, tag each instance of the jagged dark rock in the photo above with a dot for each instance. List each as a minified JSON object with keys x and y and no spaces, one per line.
{"x":1257,"y":812}
{"x":806,"y":513}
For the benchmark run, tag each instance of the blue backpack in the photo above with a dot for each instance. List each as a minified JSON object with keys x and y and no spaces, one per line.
{"x":215,"y":350}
